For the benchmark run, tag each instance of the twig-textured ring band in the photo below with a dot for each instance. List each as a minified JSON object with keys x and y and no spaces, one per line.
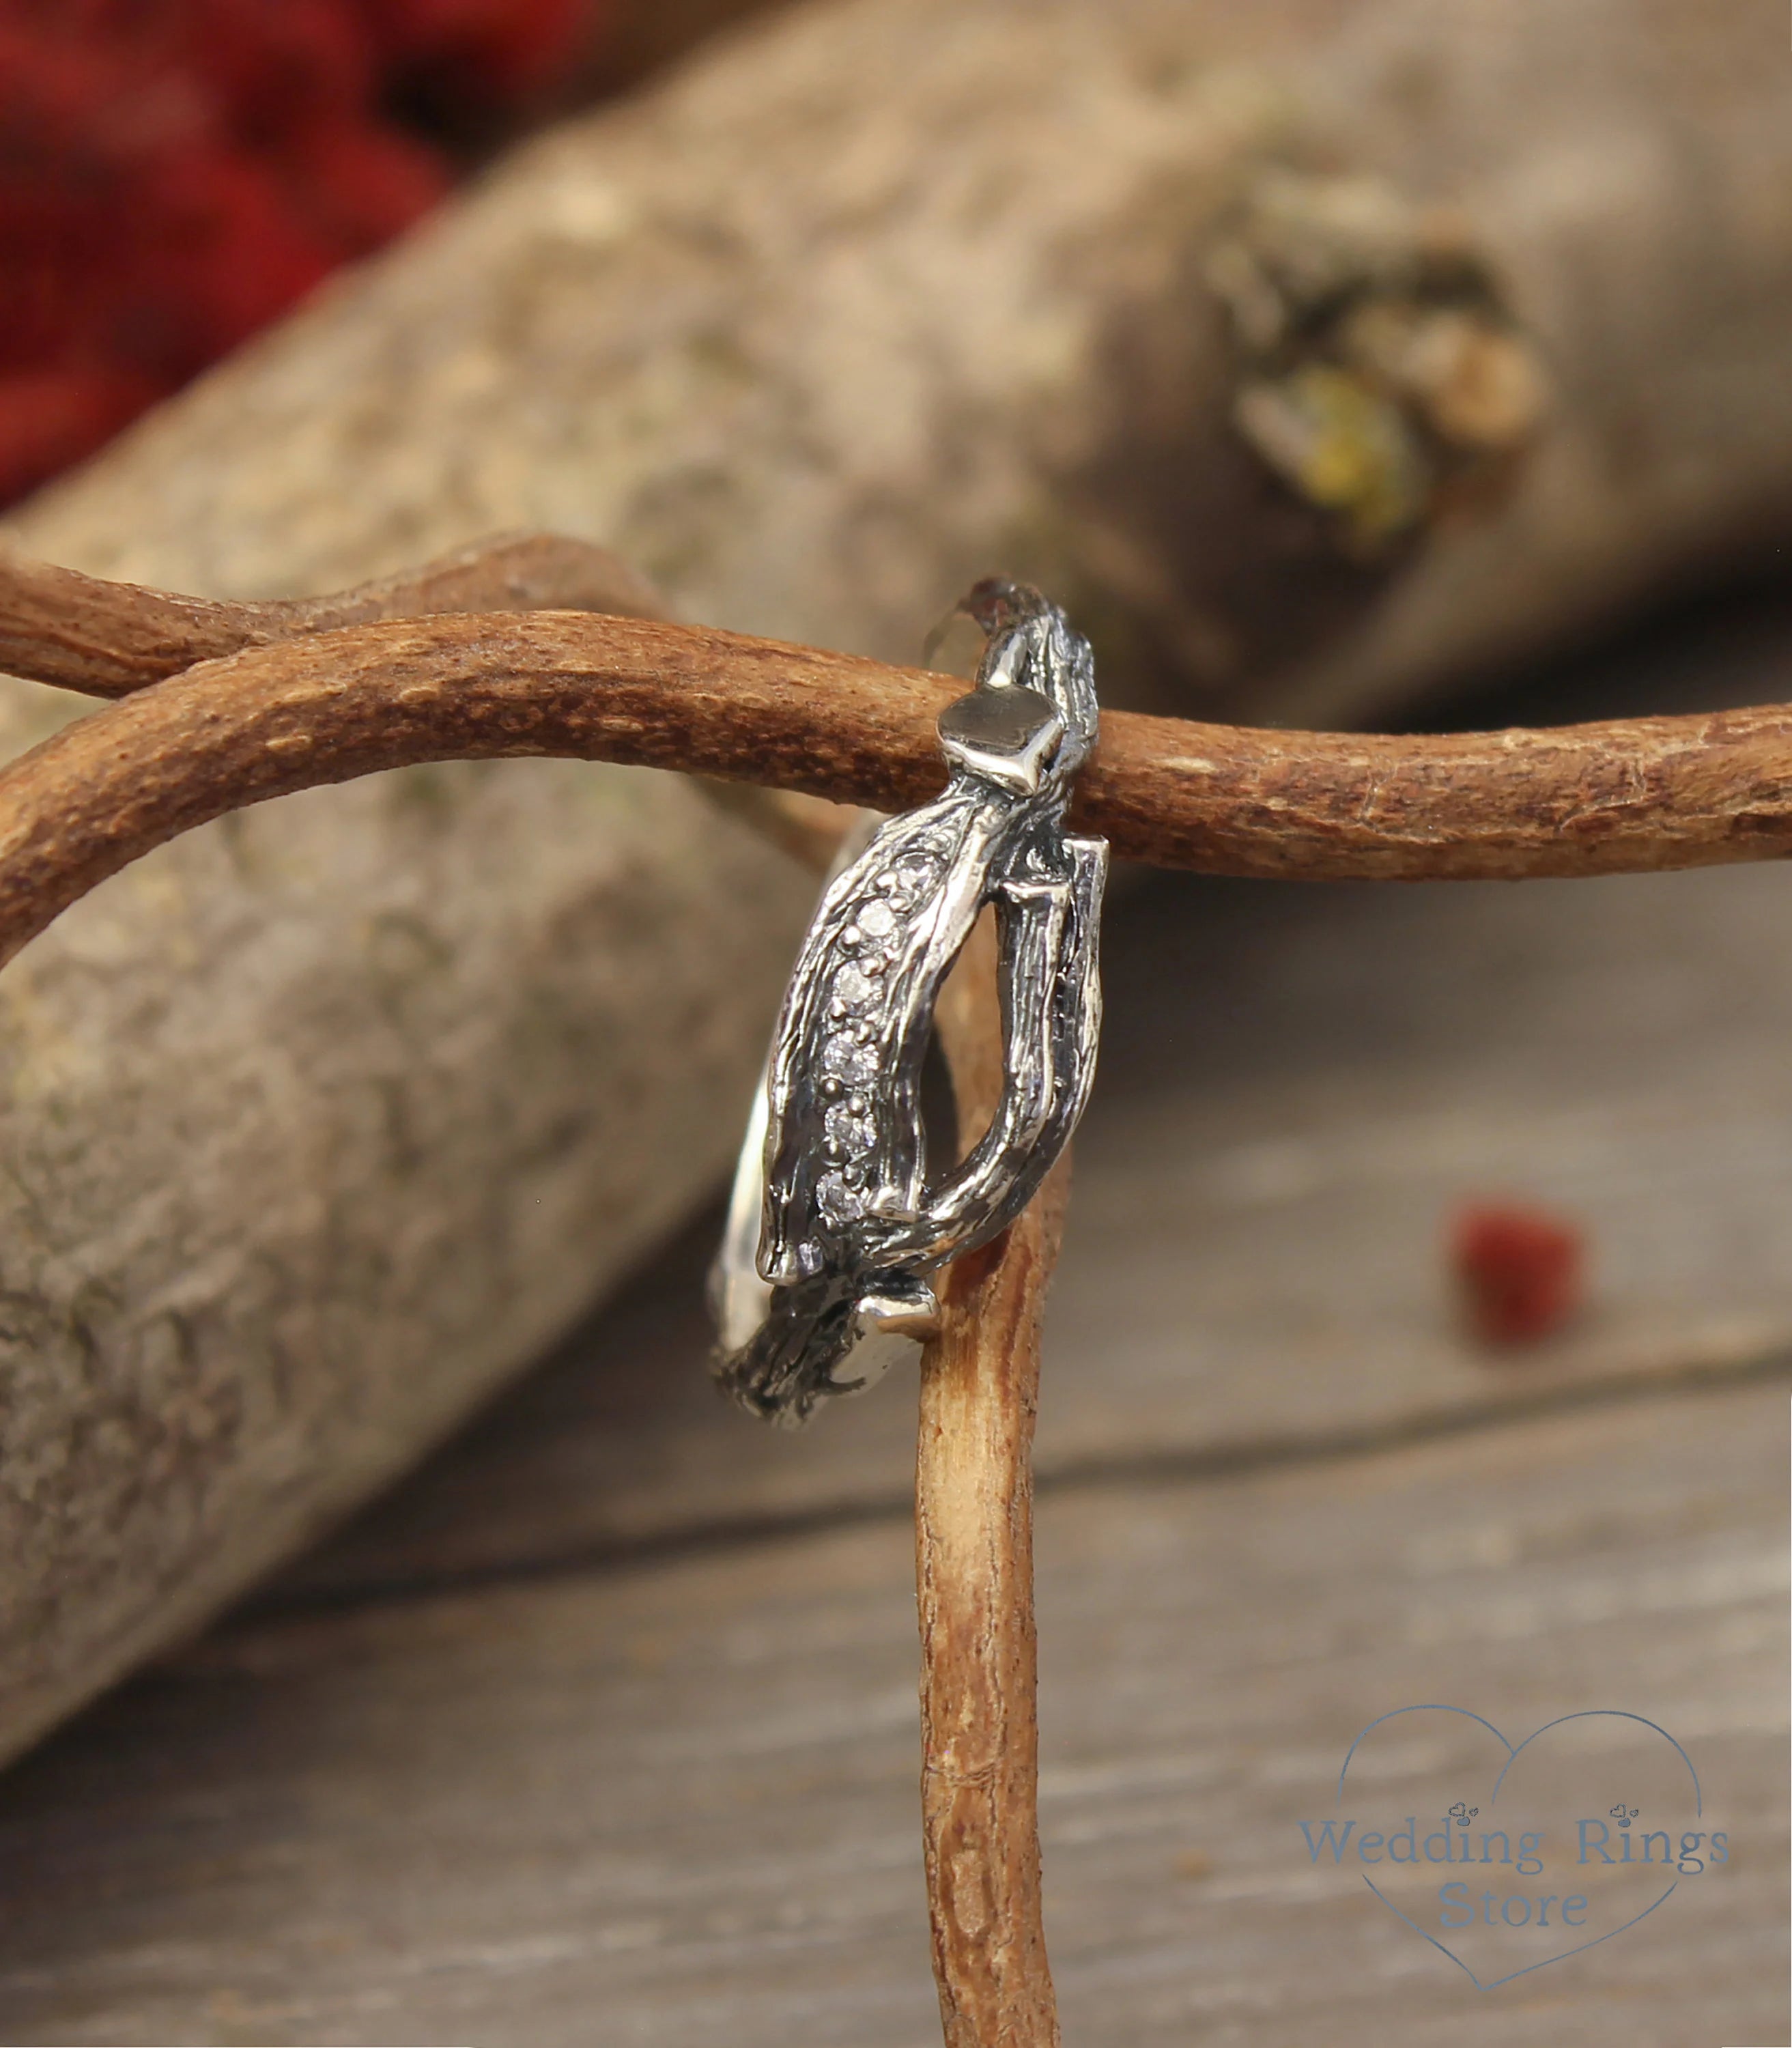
{"x":834,"y":1226}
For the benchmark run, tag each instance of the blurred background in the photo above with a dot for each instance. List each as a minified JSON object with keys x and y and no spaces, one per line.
{"x":1423,"y":1330}
{"x":178,"y":175}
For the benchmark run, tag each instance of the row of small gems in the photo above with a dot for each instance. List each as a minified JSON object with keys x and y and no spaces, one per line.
{"x":874,"y":936}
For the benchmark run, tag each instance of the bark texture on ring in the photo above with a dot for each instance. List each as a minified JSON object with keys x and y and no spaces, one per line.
{"x":835,"y":1227}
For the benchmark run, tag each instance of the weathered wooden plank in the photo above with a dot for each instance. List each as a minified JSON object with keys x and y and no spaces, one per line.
{"x":674,"y":1802}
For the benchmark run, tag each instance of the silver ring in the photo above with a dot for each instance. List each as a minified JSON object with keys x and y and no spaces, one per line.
{"x":833,"y":1229}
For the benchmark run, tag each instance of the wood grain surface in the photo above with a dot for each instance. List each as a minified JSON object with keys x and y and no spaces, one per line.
{"x":673,"y":1803}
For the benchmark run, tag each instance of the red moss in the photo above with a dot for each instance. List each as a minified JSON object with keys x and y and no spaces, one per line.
{"x":174,"y":174}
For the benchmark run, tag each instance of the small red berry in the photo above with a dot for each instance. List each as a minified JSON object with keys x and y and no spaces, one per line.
{"x":1522,"y":1271}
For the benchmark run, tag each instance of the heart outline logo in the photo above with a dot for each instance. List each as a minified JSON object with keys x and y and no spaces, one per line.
{"x":1513,"y":1752}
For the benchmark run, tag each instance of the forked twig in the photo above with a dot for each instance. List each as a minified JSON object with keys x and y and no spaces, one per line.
{"x":324,"y":706}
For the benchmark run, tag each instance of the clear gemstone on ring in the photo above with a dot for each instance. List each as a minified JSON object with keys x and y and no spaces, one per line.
{"x":853,"y":989}
{"x":851,"y":1133}
{"x":847,"y":1060}
{"x":905,"y":884}
{"x":840,"y":1203}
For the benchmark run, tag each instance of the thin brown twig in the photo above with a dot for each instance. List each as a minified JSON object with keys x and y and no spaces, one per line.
{"x":108,"y":639}
{"x":1619,"y":796}
{"x":979,"y":1381}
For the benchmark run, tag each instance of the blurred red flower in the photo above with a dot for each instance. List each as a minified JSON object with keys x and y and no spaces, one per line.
{"x":174,"y":174}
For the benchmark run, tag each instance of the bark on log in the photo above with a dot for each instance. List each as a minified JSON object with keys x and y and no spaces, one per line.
{"x":1228,"y":325}
{"x":1223,"y":323}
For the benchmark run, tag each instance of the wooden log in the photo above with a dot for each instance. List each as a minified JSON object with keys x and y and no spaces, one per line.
{"x":1279,"y":346}
{"x":1305,"y":356}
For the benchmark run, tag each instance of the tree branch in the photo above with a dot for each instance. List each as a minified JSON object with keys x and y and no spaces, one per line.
{"x":979,"y":1382}
{"x":107,"y":639}
{"x":1617,"y":797}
